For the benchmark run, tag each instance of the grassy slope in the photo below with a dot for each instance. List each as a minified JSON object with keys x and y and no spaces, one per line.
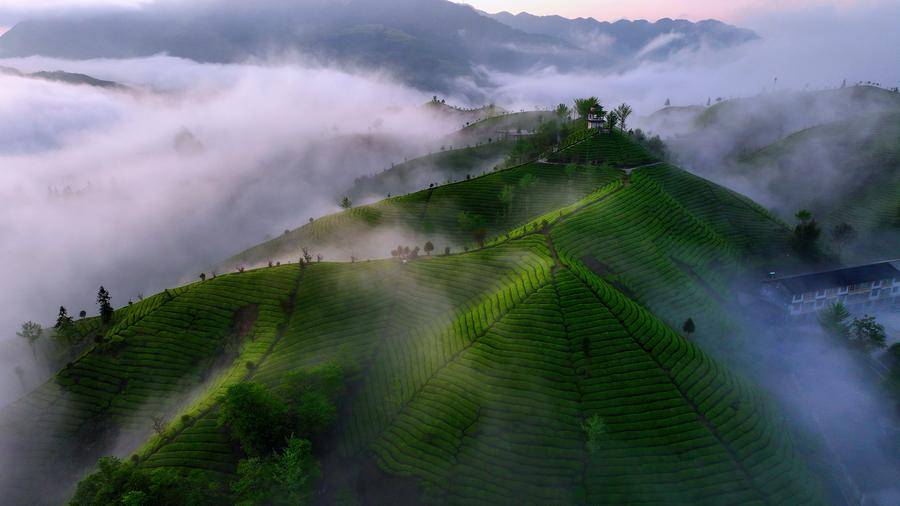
{"x":478,"y":370}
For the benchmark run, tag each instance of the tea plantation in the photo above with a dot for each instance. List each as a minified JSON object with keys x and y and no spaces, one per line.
{"x":542,"y":368}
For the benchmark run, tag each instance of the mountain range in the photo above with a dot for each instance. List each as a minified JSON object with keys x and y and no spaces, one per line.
{"x":430,"y":43}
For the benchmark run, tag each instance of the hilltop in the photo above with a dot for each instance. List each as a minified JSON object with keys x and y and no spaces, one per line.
{"x":64,"y":77}
{"x":542,"y":364}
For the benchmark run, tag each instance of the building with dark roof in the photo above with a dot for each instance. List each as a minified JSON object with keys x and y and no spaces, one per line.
{"x":860,"y":288}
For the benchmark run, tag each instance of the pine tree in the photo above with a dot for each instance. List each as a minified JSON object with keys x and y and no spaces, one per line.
{"x":689,"y":326}
{"x":106,"y":309}
{"x":64,"y":322}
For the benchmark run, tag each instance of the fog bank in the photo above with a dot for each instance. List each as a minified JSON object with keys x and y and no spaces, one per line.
{"x":139,"y":190}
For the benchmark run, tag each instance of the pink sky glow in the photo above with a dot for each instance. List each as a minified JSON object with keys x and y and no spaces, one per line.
{"x":611,"y":10}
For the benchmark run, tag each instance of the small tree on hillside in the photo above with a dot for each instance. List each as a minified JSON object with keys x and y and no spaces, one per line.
{"x":867,"y":334}
{"x":20,"y":373}
{"x":429,"y":247}
{"x":106,"y":309}
{"x":64,"y":324}
{"x":31,"y":332}
{"x":82,"y":314}
{"x":806,"y":235}
{"x":507,"y":195}
{"x":833,"y":321}
{"x":583,"y":106}
{"x":563,"y":112}
{"x":689,"y":327}
{"x":612,"y":119}
{"x":346,"y":203}
{"x":526,"y":183}
{"x":473,"y":224}
{"x":842,"y":234}
{"x":623,"y":112}
{"x":594,"y":432}
{"x":668,"y":102}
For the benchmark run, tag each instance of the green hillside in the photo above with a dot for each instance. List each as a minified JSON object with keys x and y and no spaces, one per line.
{"x":434,"y":168}
{"x":539,"y":369}
{"x":857,"y":167}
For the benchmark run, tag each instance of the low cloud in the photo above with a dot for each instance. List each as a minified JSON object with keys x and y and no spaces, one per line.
{"x":818,"y":47}
{"x":660,"y":42}
{"x":139,"y":190}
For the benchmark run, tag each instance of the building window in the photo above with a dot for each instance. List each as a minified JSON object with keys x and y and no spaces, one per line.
{"x":874,"y":294}
{"x":876,"y":284}
{"x":895,"y":290}
{"x":820,"y":304}
{"x":798,"y":298}
{"x":843,"y":290}
{"x":820,"y":294}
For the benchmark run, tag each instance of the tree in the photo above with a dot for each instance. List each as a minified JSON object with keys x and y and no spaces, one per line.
{"x":255,"y":417}
{"x":346,"y":203}
{"x":612,"y":119}
{"x":563,"y":112}
{"x":31,"y":332}
{"x":64,"y":323}
{"x":526,"y":183}
{"x":867,"y":334}
{"x":429,"y":247}
{"x":594,"y":431}
{"x":833,"y":320}
{"x":507,"y":195}
{"x":82,"y":314}
{"x":106,"y":309}
{"x":689,"y":326}
{"x":623,"y":111}
{"x":842,"y":234}
{"x":473,"y":224}
{"x":284,"y":479}
{"x":202,"y":276}
{"x":126,"y":484}
{"x":583,"y":106}
{"x":20,"y":373}
{"x":447,"y":251}
{"x":806,"y":235}
{"x":668,"y":102}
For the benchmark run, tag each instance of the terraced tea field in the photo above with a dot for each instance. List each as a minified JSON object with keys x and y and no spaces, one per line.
{"x":615,"y":149}
{"x":433,"y":214}
{"x":540,"y":369}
